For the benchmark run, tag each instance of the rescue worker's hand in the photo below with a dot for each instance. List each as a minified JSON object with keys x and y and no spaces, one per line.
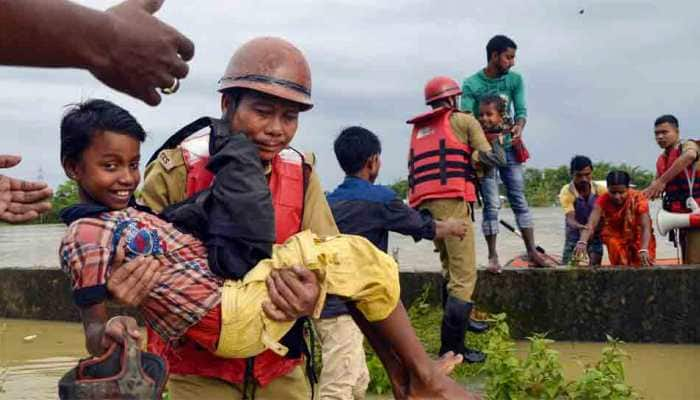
{"x":117,"y":328}
{"x":141,"y":52}
{"x":130,"y":283}
{"x":293,"y":294}
{"x":21,"y":201}
{"x":644,"y":258}
{"x":457,"y":227}
{"x":655,"y":189}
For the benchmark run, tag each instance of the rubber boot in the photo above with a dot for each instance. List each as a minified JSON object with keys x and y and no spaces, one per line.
{"x":454,"y":328}
{"x":472,"y":326}
{"x":476,"y":326}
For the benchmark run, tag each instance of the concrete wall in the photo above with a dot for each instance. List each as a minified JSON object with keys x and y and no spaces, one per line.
{"x":660,"y":304}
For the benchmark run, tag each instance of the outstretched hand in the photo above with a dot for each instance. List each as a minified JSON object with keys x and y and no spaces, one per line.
{"x":655,"y":190}
{"x":143,"y":53}
{"x":20,"y":200}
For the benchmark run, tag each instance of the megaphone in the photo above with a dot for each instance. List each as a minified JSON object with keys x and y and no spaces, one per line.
{"x":666,"y":221}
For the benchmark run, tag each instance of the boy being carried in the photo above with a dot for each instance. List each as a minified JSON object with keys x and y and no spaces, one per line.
{"x":100,"y":146}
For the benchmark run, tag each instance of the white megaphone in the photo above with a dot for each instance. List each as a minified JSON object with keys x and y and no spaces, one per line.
{"x":666,"y":221}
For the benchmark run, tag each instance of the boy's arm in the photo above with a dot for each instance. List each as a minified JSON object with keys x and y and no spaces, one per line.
{"x":100,"y":332}
{"x":689,"y":156}
{"x":400,"y":218}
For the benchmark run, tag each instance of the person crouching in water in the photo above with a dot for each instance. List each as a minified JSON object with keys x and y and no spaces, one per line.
{"x":445,"y":146}
{"x":492,"y":109}
{"x":627,"y":230}
{"x":678,"y":180}
{"x":100,"y":151}
{"x":578,"y":199}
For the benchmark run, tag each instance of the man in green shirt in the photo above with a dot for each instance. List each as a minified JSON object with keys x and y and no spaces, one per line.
{"x":494,"y":81}
{"x":497,"y":78}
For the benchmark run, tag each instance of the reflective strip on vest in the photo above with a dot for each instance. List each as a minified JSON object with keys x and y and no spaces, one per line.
{"x":439,"y":164}
{"x":678,"y":189}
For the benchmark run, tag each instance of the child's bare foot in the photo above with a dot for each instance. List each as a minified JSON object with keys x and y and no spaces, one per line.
{"x":437,"y":386}
{"x":540,"y":260}
{"x":448,"y":361}
{"x":494,"y":266}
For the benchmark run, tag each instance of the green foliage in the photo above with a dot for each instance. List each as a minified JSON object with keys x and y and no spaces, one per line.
{"x":606,"y":379}
{"x":379,"y":380}
{"x":65,"y":195}
{"x":507,"y":377}
{"x":544,"y":377}
{"x":401,"y":188}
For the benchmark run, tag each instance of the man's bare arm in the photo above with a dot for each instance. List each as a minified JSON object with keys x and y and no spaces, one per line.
{"x":125,"y":47}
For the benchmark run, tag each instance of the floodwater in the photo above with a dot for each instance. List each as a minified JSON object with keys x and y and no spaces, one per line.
{"x":32,"y":369}
{"x":37,"y":245}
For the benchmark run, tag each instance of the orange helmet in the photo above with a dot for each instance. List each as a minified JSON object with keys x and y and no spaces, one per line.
{"x":270,"y":65}
{"x":441,"y":87}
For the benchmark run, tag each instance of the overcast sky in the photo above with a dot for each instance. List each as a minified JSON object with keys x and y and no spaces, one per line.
{"x":595,"y":81}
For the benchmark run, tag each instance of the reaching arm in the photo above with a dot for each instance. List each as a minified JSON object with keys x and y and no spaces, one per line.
{"x":21,"y":201}
{"x":100,"y":332}
{"x":571,"y":221}
{"x":657,"y":187}
{"x":587,"y":231}
{"x":125,"y":47}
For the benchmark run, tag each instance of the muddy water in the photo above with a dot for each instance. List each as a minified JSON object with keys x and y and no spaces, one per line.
{"x":37,"y":245}
{"x":32,"y":369}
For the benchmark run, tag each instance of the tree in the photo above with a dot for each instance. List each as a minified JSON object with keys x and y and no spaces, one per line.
{"x":66,"y":195}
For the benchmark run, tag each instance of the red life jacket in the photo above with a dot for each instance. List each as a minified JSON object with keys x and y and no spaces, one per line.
{"x":287,"y":185}
{"x":439,"y":164}
{"x":678,"y":189}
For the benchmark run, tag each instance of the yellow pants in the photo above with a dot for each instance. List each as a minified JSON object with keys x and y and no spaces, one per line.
{"x":346,"y":265}
{"x":458,"y":256}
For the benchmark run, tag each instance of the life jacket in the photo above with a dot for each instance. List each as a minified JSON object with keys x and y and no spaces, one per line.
{"x":439,"y":164}
{"x":287,"y":181}
{"x":678,"y":189}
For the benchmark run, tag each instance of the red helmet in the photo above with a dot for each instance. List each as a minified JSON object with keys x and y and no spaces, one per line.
{"x":441,"y":87}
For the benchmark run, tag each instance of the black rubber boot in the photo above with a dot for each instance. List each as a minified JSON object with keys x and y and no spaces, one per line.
{"x":453,"y":329}
{"x":477,"y":326}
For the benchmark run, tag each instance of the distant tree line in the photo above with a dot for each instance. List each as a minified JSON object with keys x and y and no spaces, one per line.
{"x":542,"y":186}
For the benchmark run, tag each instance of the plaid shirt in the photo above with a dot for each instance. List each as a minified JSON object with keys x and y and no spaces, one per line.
{"x":187,"y":289}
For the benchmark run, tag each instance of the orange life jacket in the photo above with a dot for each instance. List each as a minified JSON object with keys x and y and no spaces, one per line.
{"x":678,"y":189}
{"x":439,"y":164}
{"x":287,"y":184}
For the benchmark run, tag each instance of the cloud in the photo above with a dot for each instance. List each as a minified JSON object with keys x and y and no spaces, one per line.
{"x":595,"y":81}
